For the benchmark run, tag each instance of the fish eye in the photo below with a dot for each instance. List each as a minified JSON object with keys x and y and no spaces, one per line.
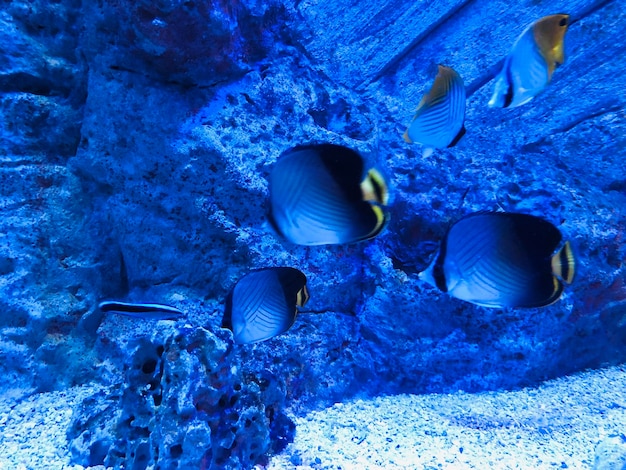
{"x":563,"y":22}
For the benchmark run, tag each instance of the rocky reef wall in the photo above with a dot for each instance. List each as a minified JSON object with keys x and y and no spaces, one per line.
{"x":136,"y":142}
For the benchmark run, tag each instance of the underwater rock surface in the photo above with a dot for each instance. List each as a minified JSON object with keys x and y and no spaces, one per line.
{"x":136,"y":143}
{"x":183,"y":405}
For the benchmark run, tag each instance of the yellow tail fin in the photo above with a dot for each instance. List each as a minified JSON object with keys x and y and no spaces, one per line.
{"x":564,"y":264}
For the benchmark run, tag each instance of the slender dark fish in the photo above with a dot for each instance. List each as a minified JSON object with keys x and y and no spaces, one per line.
{"x":263,"y":304}
{"x":320,"y":194}
{"x":144,"y":311}
{"x":528,"y":68}
{"x":440,"y":117}
{"x":500,"y":259}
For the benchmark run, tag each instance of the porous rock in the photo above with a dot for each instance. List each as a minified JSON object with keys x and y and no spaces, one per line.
{"x":611,"y":454}
{"x":183,"y":404}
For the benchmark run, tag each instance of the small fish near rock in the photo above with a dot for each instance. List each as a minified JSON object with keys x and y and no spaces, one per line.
{"x":321,"y":195}
{"x":528,"y":68}
{"x":140,"y":310}
{"x":439,"y":120}
{"x":263,"y":304}
{"x":502,"y":259}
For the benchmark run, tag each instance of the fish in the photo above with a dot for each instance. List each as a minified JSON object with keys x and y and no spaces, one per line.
{"x":319,"y":194}
{"x":140,"y":310}
{"x":263,"y":304}
{"x":502,"y":259}
{"x":529,"y":66}
{"x":439,"y":119}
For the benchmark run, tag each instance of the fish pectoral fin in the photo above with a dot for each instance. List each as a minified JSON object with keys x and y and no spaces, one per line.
{"x":427,"y":152}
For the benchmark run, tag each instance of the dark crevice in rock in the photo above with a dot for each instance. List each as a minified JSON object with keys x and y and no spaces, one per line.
{"x":592,"y":8}
{"x":26,"y":83}
{"x":187,"y":85}
{"x":421,"y":37}
{"x":326,"y":311}
{"x":492,"y":71}
{"x":483,"y":79}
{"x":603,"y":110}
{"x":617,"y":185}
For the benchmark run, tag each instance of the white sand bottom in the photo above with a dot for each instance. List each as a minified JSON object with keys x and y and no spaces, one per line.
{"x":557,"y":425}
{"x":33,"y":431}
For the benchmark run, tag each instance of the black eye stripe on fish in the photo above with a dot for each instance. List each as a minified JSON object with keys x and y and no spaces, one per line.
{"x":375,"y":181}
{"x":320,"y":194}
{"x":499,"y":259}
{"x":263,"y":304}
{"x":145,"y":311}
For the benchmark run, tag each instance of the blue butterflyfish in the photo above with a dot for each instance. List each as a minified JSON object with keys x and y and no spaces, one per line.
{"x":502,"y":259}
{"x":263,"y":304}
{"x":321,"y":195}
{"x":440,"y":117}
{"x":529,"y":66}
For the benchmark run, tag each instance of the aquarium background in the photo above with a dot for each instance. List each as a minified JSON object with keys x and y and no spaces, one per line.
{"x":136,"y":142}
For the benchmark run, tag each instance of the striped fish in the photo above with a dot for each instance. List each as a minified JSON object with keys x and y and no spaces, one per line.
{"x":139,"y":310}
{"x":528,"y":68}
{"x":263,"y":304}
{"x":320,"y":194}
{"x":440,"y":117}
{"x":500,"y":259}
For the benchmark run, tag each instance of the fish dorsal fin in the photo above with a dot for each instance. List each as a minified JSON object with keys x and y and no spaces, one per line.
{"x":564,"y":264}
{"x":441,"y":86}
{"x":438,"y":90}
{"x":423,"y":102}
{"x":549,"y":33}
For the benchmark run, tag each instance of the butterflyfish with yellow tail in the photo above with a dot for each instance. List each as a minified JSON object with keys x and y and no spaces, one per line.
{"x":502,"y":259}
{"x":320,"y":194}
{"x":263,"y":304}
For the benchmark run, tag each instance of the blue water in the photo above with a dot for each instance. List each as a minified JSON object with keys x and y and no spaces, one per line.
{"x":137,"y":142}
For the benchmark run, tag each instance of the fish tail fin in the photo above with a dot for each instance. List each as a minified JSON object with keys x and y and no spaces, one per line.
{"x":406,"y":137}
{"x":374,"y":188}
{"x":564,"y":264}
{"x":302,"y":297}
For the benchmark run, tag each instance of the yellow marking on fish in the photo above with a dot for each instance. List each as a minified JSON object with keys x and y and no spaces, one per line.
{"x":564,"y":264}
{"x":549,"y":33}
{"x":302,"y":297}
{"x":374,"y":188}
